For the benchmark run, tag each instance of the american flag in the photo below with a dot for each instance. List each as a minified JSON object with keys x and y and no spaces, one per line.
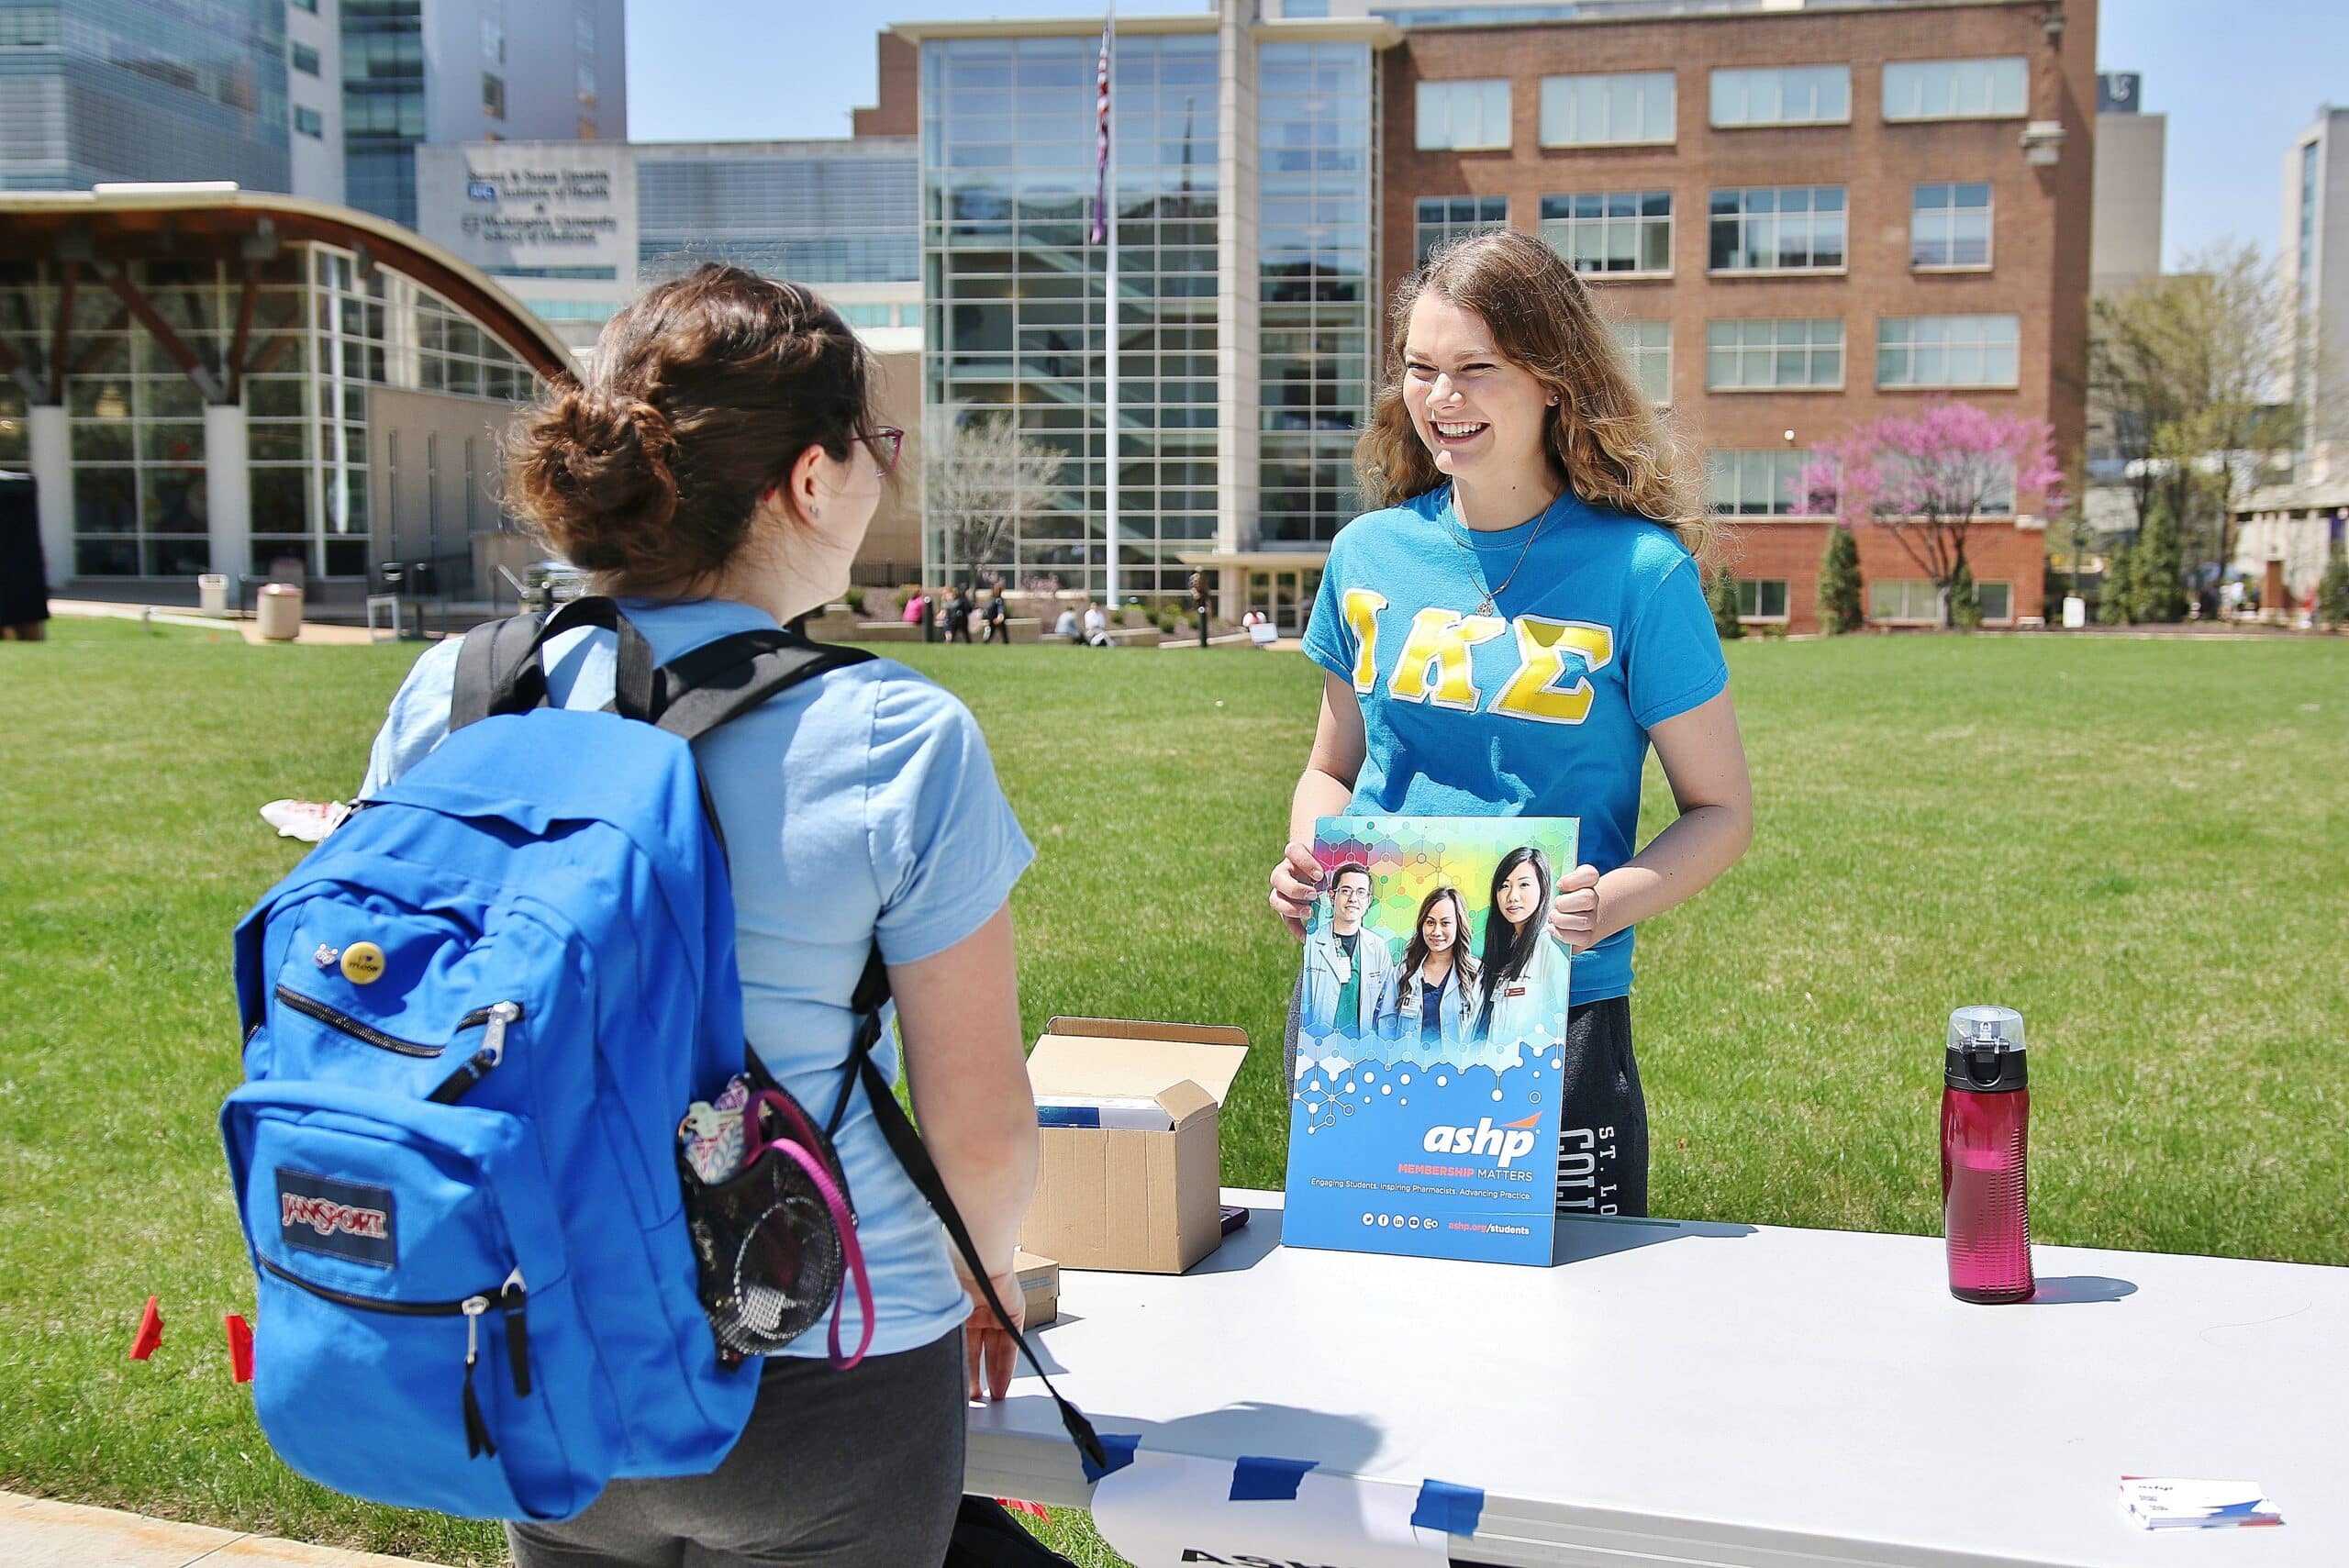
{"x":1101,"y":143}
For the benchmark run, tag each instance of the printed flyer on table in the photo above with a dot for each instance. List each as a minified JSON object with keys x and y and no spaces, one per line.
{"x":1428,"y":1010}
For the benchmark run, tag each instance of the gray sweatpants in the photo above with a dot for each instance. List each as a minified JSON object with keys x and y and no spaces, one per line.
{"x":858,"y":1469}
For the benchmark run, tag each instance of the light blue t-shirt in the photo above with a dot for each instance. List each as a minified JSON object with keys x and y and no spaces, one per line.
{"x":860,"y":804}
{"x":1541,"y":708}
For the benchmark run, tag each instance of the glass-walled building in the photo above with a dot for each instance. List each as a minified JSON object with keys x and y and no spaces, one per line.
{"x":834,"y":212}
{"x":465,"y":70}
{"x":1016,"y":295}
{"x":110,"y":90}
{"x":1317,"y":190}
{"x":1246,"y":162}
{"x":294,"y":391}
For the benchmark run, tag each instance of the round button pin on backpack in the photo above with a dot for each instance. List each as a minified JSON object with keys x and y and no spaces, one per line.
{"x":362,"y":964}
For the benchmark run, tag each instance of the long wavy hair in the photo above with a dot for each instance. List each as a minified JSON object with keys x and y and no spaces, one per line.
{"x":1604,"y":436}
{"x":1415,"y":952}
{"x":1507,"y":950}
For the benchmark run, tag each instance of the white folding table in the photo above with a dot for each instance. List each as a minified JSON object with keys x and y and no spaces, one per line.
{"x":1694,"y":1393}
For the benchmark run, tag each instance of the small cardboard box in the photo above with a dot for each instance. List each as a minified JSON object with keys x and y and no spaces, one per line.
{"x":1040,"y":1288}
{"x":1124,"y":1199}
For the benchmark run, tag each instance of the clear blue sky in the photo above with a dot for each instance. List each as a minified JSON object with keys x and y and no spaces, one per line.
{"x":2237,"y":78}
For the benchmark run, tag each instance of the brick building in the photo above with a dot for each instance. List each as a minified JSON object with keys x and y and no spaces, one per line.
{"x":1802,"y":214}
{"x":1800,"y":219}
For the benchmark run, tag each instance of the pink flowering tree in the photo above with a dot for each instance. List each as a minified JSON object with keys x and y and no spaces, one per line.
{"x":1927,"y":478}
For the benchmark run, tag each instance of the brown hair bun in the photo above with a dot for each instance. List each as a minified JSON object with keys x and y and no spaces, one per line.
{"x":700,"y":396}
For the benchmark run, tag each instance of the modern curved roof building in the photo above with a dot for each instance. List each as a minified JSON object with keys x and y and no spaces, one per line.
{"x":205,"y":379}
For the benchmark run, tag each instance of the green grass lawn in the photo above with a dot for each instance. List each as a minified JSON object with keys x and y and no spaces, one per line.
{"x":2140,"y":844}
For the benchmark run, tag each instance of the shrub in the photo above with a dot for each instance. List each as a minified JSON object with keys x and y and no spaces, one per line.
{"x":854,"y":599}
{"x":2116,"y":597}
{"x":1840,"y":608}
{"x":2332,"y":590}
{"x":1723,"y":597}
{"x":1964,"y":599}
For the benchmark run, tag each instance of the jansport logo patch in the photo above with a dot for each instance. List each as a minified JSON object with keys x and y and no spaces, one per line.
{"x":344,"y":1219}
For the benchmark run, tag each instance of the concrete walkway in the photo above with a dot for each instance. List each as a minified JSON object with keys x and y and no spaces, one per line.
{"x":38,"y":1533}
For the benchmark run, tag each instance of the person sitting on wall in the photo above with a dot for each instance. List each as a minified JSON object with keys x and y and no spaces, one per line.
{"x":1066,"y":626}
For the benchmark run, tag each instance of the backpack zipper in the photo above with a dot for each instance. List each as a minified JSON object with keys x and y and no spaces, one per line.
{"x":458,"y":1084}
{"x":511,"y":1298}
{"x":335,"y":1019}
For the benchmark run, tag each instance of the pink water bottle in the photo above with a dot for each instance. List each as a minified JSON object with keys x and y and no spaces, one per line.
{"x":1986,"y":1197}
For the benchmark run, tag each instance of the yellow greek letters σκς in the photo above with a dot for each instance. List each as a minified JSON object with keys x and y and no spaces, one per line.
{"x":1362,"y":620}
{"x":1542,"y":646}
{"x":1437,"y":654}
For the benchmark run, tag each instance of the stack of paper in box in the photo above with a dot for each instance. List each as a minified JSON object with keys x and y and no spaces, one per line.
{"x":2162,"y":1501}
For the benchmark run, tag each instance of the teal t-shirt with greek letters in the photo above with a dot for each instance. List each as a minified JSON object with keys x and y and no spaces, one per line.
{"x":1540,"y":708}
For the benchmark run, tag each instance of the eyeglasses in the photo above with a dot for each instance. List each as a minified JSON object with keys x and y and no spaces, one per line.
{"x":885,"y":443}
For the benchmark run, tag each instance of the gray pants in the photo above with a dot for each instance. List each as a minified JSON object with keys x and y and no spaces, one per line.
{"x":858,"y":1469}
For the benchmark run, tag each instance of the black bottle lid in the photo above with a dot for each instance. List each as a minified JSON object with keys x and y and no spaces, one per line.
{"x":1985,"y":1050}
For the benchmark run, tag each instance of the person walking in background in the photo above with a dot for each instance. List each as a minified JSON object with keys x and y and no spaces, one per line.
{"x":24,"y":573}
{"x":1200,"y":607}
{"x":717,"y":469}
{"x":999,"y":616}
{"x":1522,"y":618}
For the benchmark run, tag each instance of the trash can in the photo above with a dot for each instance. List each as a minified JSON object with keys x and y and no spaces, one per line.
{"x":212,"y":593}
{"x":279,"y":616}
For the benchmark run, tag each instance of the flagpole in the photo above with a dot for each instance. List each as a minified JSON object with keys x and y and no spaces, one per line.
{"x":1109,"y":360}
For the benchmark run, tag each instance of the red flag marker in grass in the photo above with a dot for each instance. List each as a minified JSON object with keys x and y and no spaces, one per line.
{"x":150,"y":1331}
{"x":241,"y":1347}
{"x":1034,"y":1510}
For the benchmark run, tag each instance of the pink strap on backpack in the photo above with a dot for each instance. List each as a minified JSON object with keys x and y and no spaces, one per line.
{"x":801,"y":1153}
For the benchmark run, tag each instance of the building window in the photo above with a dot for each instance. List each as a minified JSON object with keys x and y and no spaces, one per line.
{"x":1632,"y":109}
{"x":588,"y":131}
{"x":309,"y":6}
{"x":1464,"y":117}
{"x":1647,"y":354}
{"x":1741,"y":355}
{"x":1611,"y":231}
{"x":1904,"y":599}
{"x":1949,"y":225}
{"x":1956,"y":89}
{"x":1761,"y":598}
{"x":309,"y":122}
{"x":1778,"y":229}
{"x":1793,"y":95}
{"x":305,"y":59}
{"x":493,"y":96}
{"x":1998,"y":600}
{"x":1442,"y":219}
{"x":1946,"y":350}
{"x":1758,"y":483}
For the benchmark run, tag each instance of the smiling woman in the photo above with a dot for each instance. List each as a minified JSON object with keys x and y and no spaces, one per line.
{"x":1511,"y":633}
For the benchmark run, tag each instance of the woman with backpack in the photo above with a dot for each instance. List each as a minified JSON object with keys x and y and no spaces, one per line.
{"x":717,"y":469}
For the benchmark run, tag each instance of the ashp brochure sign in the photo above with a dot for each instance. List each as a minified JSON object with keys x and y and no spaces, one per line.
{"x":1430,"y":1011}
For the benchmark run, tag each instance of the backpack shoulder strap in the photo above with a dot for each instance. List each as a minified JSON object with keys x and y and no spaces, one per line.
{"x":486,"y":661}
{"x":904,"y":1142}
{"x":501,"y":666}
{"x":729,"y":676}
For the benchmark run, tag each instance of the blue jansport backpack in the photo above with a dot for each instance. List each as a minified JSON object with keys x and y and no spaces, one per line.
{"x":473,"y":1017}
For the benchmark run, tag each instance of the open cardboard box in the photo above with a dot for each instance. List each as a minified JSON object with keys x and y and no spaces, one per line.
{"x":1123,"y":1199}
